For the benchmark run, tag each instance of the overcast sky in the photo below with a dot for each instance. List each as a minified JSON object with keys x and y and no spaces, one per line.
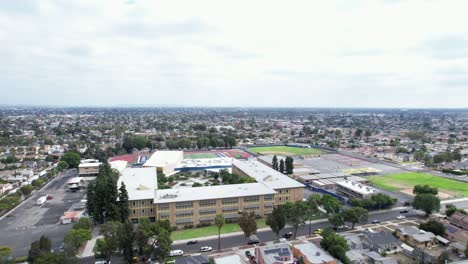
{"x":234,"y":53}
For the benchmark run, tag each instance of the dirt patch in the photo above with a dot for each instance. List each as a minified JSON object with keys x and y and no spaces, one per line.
{"x":444,"y":195}
{"x":408,"y":191}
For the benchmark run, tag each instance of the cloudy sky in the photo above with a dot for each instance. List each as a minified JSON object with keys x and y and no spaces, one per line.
{"x":234,"y":53}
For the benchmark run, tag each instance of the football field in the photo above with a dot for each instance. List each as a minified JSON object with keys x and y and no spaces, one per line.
{"x":286,"y":150}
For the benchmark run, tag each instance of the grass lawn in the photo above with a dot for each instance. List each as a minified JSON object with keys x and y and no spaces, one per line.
{"x":209,"y":231}
{"x":397,"y":182}
{"x":286,"y":150}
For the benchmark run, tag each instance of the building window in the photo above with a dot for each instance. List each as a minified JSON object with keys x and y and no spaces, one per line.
{"x":133,"y":203}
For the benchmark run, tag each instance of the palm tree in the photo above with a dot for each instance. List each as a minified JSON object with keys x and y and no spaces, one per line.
{"x":219,"y":222}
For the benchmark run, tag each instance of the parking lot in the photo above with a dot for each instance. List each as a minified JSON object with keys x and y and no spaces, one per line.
{"x":331,"y":163}
{"x":29,"y":221}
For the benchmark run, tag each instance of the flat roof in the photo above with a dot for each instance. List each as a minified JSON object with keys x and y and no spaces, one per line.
{"x":205,"y":162}
{"x":357,"y":187}
{"x":211,"y":192}
{"x":140,"y":183}
{"x":118,"y":165}
{"x":314,"y":253}
{"x":162,"y":158}
{"x":90,"y":164}
{"x":266,"y":175}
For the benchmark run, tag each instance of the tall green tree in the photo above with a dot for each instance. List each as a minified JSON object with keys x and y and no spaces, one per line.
{"x":123,"y":203}
{"x":248,"y":223}
{"x":289,"y":165}
{"x":335,"y":244}
{"x":276,"y":220}
{"x":426,"y":202}
{"x":39,"y":248}
{"x":281,"y":166}
{"x":330,"y":204}
{"x":126,"y":238}
{"x":433,"y":226}
{"x":355,"y":215}
{"x":72,"y":158}
{"x":219,"y":222}
{"x":336,"y":220}
{"x":5,"y":252}
{"x":311,"y":209}
{"x":294,"y":214}
{"x":274,"y":162}
{"x":75,"y":238}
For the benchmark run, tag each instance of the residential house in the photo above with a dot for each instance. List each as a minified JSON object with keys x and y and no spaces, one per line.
{"x":459,"y":220}
{"x":5,"y":187}
{"x":375,"y":258}
{"x":382,"y":242}
{"x":456,"y":234}
{"x":312,"y":254}
{"x":415,"y":237}
{"x":274,"y":254}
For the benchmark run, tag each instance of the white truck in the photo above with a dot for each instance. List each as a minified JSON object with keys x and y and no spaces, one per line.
{"x":42,"y":200}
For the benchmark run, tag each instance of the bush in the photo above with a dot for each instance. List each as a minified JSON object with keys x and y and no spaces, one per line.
{"x":21,"y":259}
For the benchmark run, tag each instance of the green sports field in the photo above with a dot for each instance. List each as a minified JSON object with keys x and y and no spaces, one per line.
{"x":200,"y":156}
{"x":404,"y":182}
{"x":286,"y":150}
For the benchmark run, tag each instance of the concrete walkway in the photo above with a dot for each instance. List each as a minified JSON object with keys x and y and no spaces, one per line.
{"x":88,"y":250}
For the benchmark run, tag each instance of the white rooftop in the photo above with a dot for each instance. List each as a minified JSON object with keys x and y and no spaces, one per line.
{"x":118,"y":165}
{"x":89,"y":164}
{"x":357,"y":187}
{"x":162,"y":158}
{"x":211,"y":192}
{"x":206,"y":162}
{"x":266,"y":175}
{"x":140,"y":183}
{"x":314,"y":253}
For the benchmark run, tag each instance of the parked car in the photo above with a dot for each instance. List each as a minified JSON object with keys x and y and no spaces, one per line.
{"x":248,"y":254}
{"x":176,"y":252}
{"x":341,"y":227}
{"x":318,"y":231}
{"x":49,"y":197}
{"x":401,"y":217}
{"x":288,"y":235}
{"x":191,"y":242}
{"x":206,"y":249}
{"x":253,"y":239}
{"x":375,"y":221}
{"x":404,"y":211}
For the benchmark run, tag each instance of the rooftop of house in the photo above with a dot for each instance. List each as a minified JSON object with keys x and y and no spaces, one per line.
{"x":276,"y":253}
{"x":314,"y":253}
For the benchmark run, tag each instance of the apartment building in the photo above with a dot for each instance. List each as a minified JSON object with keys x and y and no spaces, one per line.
{"x":89,"y":167}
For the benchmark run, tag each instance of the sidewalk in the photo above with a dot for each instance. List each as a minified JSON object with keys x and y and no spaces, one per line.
{"x":88,"y":250}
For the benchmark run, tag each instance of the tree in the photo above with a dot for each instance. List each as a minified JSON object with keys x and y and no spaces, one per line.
{"x":274,"y":162}
{"x":102,"y":196}
{"x":276,"y":220}
{"x":219,"y":222}
{"x":55,"y":258}
{"x":281,"y":166}
{"x":289,"y":165}
{"x":427,"y":202}
{"x":247,"y":223}
{"x":311,"y":209}
{"x":433,"y":226}
{"x":336,"y":220}
{"x":75,"y":238}
{"x":335,"y":244}
{"x":355,"y":215}
{"x":5,"y":251}
{"x":124,"y":210}
{"x":62,"y":165}
{"x":443,"y":258}
{"x":451,"y":209}
{"x":420,"y":189}
{"x":126,"y":237}
{"x":466,"y":251}
{"x":39,"y":248}
{"x":72,"y":158}
{"x":358,"y":132}
{"x":83,"y":223}
{"x":368,"y":133}
{"x":330,"y":204}
{"x":294,"y":214}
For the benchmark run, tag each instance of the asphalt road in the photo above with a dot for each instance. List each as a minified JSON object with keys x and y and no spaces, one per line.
{"x":29,"y":222}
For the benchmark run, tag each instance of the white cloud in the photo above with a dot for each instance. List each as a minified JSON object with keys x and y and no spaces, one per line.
{"x":236,"y":53}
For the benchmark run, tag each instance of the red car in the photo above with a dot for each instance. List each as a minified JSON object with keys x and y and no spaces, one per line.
{"x":49,"y":197}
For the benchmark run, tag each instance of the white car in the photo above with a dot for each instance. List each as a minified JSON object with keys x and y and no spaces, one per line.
{"x":401,"y":217}
{"x":176,"y":252}
{"x":206,"y":249}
